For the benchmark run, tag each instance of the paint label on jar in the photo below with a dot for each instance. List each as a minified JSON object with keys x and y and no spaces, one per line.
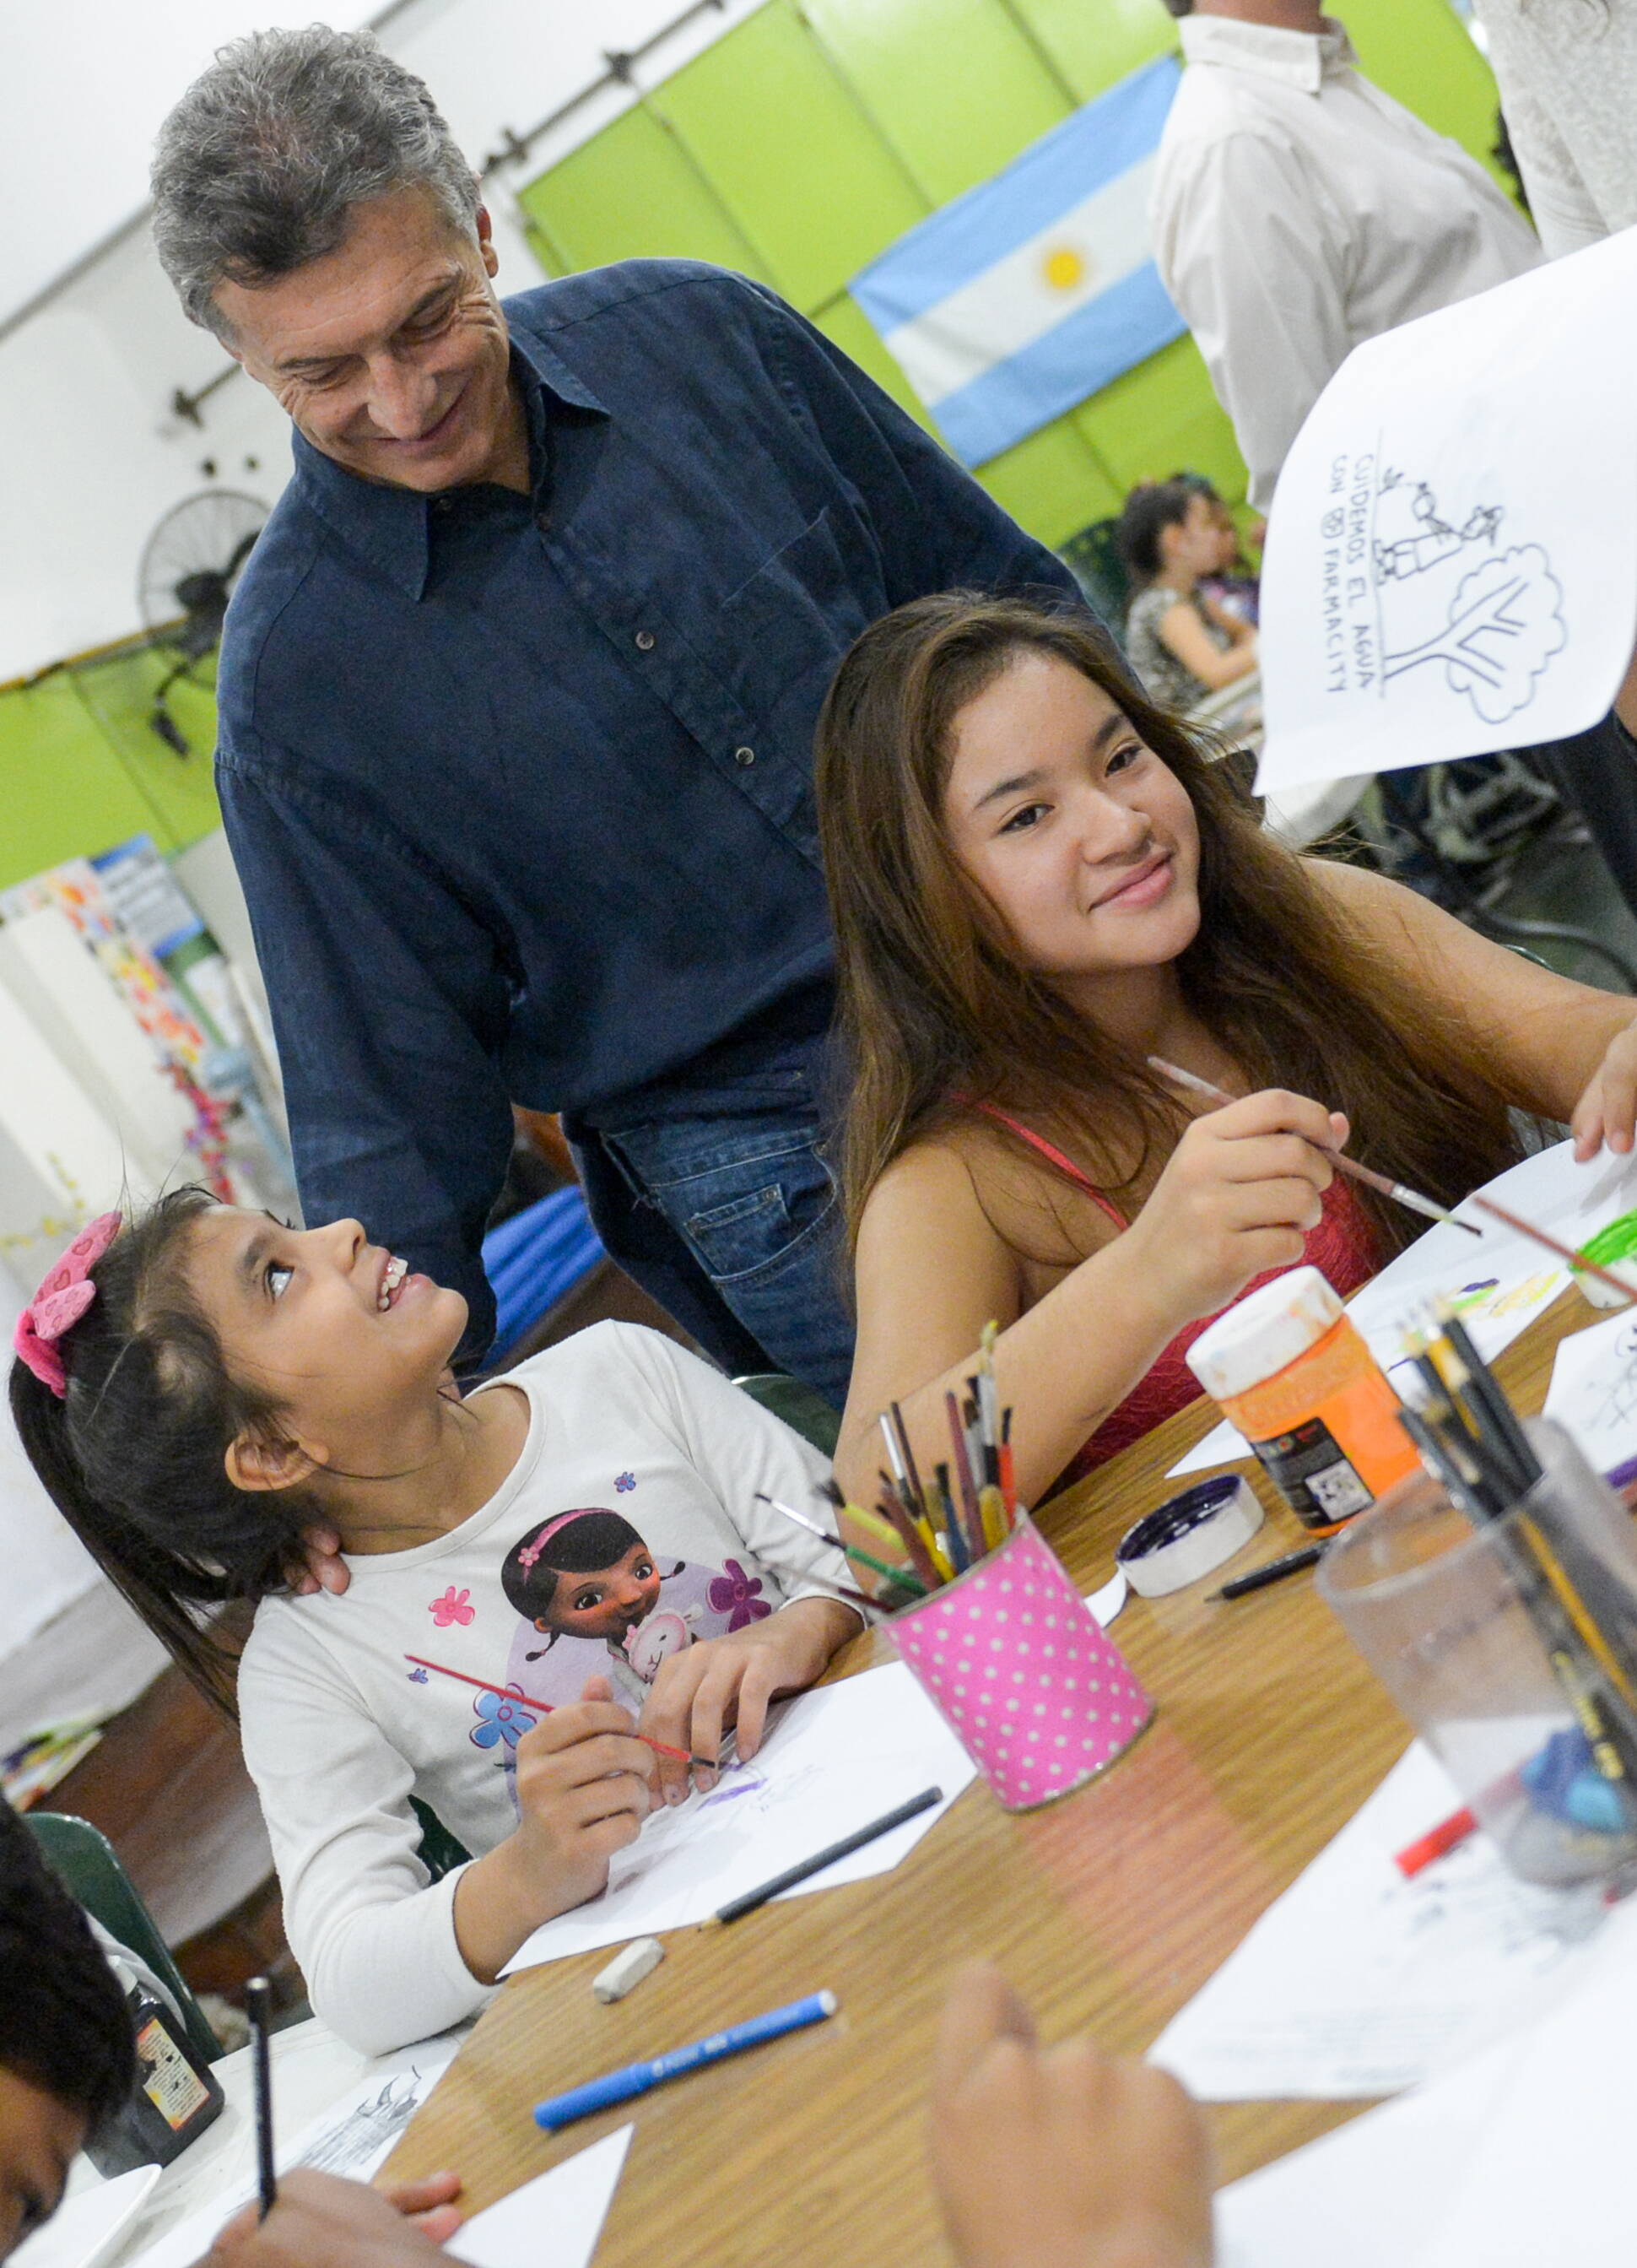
{"x":1307,"y":1467}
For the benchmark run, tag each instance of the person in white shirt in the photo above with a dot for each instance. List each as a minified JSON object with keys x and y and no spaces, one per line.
{"x":199,"y":1387}
{"x":1297,"y":210}
{"x":1568,"y":73}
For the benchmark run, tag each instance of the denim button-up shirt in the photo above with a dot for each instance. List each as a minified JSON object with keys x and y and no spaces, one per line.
{"x":520,"y":788}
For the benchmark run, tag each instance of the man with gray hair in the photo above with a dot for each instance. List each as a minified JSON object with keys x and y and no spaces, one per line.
{"x":517,"y":694}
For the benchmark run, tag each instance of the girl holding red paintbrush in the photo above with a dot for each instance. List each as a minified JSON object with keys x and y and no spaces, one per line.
{"x":202,"y":1388}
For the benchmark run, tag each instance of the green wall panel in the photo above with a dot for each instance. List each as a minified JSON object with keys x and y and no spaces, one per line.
{"x":792,"y":154}
{"x":1095,"y":42}
{"x":80,"y":769}
{"x":1161,"y":418}
{"x":1053,"y":483}
{"x":1419,"y":52}
{"x":180,"y":790}
{"x":955,"y":85}
{"x":63,"y":791}
{"x":633,"y":192}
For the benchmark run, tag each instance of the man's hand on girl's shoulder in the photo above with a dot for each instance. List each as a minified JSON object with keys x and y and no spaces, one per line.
{"x":319,"y":1566}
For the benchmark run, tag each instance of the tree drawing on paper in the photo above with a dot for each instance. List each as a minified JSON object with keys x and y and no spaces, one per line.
{"x":1505,"y":624}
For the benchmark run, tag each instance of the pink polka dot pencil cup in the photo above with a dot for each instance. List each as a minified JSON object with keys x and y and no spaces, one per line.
{"x":1012,"y":1658}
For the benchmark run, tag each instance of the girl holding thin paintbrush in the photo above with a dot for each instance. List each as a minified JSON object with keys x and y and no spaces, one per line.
{"x":1040,"y":882}
{"x":202,"y":1389}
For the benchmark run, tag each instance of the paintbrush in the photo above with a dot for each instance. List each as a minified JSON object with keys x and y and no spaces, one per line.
{"x":1371,"y":1179}
{"x":902,"y":1576}
{"x":510,"y":1693}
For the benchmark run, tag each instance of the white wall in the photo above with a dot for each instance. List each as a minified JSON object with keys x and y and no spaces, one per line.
{"x":90,"y":456}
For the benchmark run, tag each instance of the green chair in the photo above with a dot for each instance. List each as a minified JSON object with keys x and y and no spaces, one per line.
{"x":440,"y":1852}
{"x":87,"y":1865}
{"x":803,"y":1408}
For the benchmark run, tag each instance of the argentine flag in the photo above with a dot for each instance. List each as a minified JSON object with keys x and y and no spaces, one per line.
{"x":1036,"y":288}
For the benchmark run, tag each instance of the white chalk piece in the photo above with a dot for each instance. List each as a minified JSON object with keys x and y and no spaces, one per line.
{"x":628,"y":1968}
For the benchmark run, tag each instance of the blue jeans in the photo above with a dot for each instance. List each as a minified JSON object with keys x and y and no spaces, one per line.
{"x":732,"y":1222}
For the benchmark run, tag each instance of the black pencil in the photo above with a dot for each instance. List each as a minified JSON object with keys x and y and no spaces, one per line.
{"x":820,"y":1859}
{"x":256,"y":2008}
{"x":1273,"y":1571}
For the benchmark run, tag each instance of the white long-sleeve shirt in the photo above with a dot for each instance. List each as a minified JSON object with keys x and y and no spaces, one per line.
{"x":340,"y":1728}
{"x":1297,"y":210}
{"x":1567,"y":70}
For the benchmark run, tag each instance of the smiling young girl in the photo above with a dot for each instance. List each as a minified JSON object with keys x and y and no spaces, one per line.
{"x":201,"y":1388}
{"x":1039,"y":881}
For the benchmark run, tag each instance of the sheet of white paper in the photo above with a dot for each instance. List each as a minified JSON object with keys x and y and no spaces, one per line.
{"x":553,"y":2221}
{"x":1498,"y":1282}
{"x":1450,"y":567}
{"x":352,"y":2138}
{"x":1550,"y":2178}
{"x":1364,"y":2196}
{"x":1594,"y":1390}
{"x":1106,"y":1603}
{"x":1517,"y":2155}
{"x":838,"y":1758}
{"x":1359,"y":1983}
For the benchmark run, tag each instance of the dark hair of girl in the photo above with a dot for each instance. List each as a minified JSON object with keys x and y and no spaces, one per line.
{"x":133,"y":1456}
{"x":1149,"y":511}
{"x":939,"y":1011}
{"x":591,"y":1539}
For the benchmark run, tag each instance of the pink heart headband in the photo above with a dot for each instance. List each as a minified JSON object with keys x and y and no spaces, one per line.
{"x":60,"y":1302}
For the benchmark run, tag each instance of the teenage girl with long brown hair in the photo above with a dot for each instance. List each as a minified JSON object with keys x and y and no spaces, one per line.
{"x":1038,"y":880}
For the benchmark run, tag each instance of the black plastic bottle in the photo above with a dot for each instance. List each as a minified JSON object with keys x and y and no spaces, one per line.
{"x":175,"y":2097}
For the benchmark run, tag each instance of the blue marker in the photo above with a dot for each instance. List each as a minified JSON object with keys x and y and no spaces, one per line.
{"x":639,"y":2078}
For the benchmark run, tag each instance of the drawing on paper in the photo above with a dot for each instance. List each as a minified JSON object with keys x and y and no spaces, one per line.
{"x":1611,"y":1387}
{"x":1434,"y":540}
{"x":361,"y":2137}
{"x":1412,"y":580}
{"x":1498,"y":628}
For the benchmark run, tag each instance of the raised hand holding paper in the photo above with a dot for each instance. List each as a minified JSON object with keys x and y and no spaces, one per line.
{"x":1452,"y":564}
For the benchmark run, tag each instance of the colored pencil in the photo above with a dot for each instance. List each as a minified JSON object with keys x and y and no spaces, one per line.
{"x":1436,"y":1841}
{"x":510,"y":1693}
{"x":805,"y":1867}
{"x":1273,"y":1571}
{"x":256,"y":1997}
{"x":1397,"y":1190}
{"x":1479,"y":1477}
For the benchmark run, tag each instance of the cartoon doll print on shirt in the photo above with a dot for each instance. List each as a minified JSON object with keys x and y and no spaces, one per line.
{"x":596,"y":1601}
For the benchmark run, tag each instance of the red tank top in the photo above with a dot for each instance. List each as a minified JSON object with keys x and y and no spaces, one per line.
{"x":1342,"y":1248}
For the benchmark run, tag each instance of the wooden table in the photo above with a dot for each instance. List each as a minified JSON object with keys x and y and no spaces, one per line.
{"x":1109,"y":1911}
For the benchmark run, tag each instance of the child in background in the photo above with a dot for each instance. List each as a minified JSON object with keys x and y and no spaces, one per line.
{"x":1230,"y":584}
{"x":198,"y":1389}
{"x":1183,"y":644}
